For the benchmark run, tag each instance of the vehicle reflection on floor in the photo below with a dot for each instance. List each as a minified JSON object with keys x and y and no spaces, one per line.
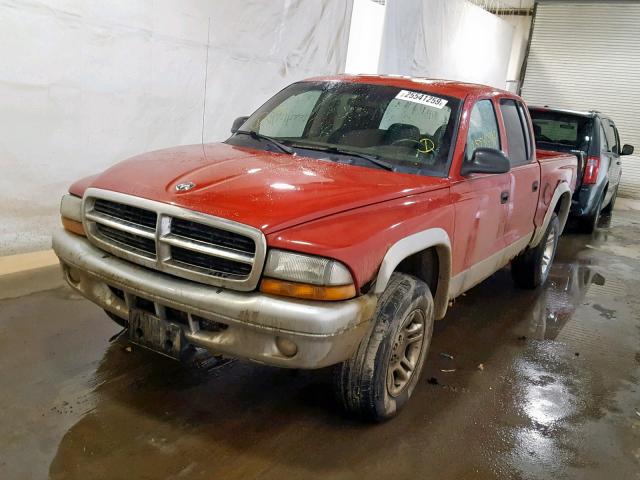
{"x":567,"y":288}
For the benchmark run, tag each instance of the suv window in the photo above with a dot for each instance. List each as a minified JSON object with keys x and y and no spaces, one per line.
{"x":483,"y":129}
{"x":610,"y":133}
{"x":515,"y":133}
{"x":555,"y":130}
{"x":604,"y":143}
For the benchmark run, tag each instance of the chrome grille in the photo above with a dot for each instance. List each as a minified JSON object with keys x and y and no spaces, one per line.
{"x":174,"y":240}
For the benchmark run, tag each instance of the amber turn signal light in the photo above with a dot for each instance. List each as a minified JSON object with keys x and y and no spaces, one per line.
{"x":73,"y":226}
{"x":306,"y":291}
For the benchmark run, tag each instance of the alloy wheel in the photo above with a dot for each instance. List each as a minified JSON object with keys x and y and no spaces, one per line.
{"x":405,"y":353}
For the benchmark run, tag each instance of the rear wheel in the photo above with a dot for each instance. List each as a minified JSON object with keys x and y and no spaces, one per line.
{"x":381,"y":376}
{"x":531,"y":268}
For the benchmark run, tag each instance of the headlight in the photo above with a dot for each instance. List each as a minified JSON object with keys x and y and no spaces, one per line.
{"x":306,"y":276}
{"x":71,"y":213}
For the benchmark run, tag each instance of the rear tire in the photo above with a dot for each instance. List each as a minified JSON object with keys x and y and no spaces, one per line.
{"x":531,"y":268}
{"x":378,"y":380}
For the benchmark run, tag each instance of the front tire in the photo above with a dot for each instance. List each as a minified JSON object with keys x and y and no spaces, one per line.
{"x":378,"y":380}
{"x":531,"y":268}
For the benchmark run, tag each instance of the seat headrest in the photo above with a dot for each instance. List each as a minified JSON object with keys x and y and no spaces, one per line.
{"x":397,"y":131}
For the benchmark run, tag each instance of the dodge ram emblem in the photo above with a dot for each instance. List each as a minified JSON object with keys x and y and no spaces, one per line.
{"x":185,"y":187}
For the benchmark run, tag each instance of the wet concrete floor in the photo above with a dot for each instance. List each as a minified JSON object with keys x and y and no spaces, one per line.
{"x":557,"y":396}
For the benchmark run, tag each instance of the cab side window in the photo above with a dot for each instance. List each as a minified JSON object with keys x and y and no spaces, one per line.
{"x":515,"y":130}
{"x":483,"y":129}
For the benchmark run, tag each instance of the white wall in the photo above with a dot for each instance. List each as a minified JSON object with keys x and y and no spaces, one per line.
{"x":451,"y":39}
{"x":85,"y":83}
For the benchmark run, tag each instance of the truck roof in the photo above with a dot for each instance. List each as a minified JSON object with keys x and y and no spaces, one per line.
{"x":450,"y":88}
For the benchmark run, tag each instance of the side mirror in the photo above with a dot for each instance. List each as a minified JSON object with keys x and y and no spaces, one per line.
{"x":627,"y":149}
{"x":486,"y":160}
{"x":237,"y":123}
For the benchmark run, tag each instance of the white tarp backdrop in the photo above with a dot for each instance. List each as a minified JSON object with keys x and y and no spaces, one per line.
{"x":365,"y":37}
{"x":453,"y":39}
{"x":84,"y":84}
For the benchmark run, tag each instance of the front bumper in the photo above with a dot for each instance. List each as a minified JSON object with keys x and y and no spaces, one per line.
{"x":240,"y":324}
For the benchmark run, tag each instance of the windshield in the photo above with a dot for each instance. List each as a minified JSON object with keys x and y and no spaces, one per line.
{"x":404,"y":130}
{"x":559,"y":129}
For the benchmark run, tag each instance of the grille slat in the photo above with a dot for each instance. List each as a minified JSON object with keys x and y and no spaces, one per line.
{"x":144,"y":245}
{"x":212,"y":235}
{"x":215,"y":265}
{"x":214,"y":251}
{"x":128,"y":213}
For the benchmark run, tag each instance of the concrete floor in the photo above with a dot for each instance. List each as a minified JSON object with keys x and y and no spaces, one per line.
{"x":558,"y":397}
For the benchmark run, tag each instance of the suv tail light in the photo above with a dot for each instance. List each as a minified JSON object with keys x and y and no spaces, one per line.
{"x":591,"y":170}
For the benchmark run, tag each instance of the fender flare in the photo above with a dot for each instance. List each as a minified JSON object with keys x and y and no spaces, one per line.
{"x":417,"y":242}
{"x":563,"y":214}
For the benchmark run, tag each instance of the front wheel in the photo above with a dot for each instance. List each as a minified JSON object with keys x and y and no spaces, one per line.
{"x":381,"y":376}
{"x":531,"y":268}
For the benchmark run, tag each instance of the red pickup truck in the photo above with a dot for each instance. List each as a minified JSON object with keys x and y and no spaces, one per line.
{"x":333,"y":227}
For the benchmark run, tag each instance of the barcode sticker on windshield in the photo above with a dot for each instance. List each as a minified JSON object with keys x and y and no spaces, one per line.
{"x":422,"y":98}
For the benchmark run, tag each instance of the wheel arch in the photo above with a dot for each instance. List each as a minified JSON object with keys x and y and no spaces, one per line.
{"x":418,"y":254}
{"x":560,"y":204}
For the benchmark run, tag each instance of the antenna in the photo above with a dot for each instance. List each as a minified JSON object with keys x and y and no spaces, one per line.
{"x":204,"y":101}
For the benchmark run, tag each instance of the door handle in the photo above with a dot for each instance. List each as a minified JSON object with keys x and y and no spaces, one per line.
{"x":534,"y":186}
{"x":504,"y":196}
{"x":617,"y":163}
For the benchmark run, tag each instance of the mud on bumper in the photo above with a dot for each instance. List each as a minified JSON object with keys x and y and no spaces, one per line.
{"x":239,"y":324}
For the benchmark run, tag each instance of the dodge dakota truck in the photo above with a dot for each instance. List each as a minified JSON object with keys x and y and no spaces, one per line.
{"x":333,"y":227}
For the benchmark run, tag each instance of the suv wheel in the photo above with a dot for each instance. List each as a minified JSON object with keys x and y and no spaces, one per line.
{"x":588,"y":224}
{"x":380,"y":377}
{"x":531,"y":268}
{"x":612,"y":203}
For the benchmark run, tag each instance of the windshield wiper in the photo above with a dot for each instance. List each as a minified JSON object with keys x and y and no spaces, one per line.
{"x":259,"y":136}
{"x":339,"y":151}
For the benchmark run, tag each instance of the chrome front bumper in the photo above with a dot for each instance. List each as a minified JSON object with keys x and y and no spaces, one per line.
{"x":249,"y":324}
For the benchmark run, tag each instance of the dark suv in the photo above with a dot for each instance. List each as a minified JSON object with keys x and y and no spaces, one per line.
{"x":594,"y":138}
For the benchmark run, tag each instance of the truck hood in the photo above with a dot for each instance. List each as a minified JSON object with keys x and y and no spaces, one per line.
{"x":269,"y":191}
